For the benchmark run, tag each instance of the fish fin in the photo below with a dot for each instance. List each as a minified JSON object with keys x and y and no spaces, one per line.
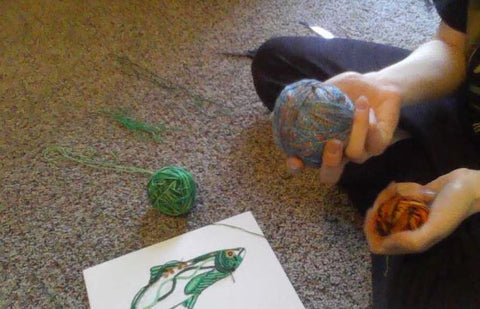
{"x":200,"y":282}
{"x":157,"y":271}
{"x":190,"y":302}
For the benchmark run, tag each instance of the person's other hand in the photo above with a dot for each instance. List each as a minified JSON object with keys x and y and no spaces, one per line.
{"x":453,"y":197}
{"x":377,"y":109}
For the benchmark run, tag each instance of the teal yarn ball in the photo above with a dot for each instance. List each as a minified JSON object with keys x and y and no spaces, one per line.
{"x":307,"y":113}
{"x":171,"y":190}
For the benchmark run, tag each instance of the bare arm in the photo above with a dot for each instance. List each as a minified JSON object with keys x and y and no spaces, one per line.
{"x":433,"y":70}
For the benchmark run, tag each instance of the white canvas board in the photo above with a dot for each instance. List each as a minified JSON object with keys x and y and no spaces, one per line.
{"x":258,"y":282}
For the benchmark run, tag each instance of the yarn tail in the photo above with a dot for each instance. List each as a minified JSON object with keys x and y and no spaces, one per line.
{"x":52,"y":154}
{"x":249,"y":54}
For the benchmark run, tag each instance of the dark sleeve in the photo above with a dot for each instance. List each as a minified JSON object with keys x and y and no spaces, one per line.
{"x":453,"y":13}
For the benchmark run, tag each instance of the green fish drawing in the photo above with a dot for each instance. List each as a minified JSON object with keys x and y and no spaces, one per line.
{"x":197,"y":275}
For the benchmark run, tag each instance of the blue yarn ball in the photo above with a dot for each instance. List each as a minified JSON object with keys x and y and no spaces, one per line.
{"x":307,"y":113}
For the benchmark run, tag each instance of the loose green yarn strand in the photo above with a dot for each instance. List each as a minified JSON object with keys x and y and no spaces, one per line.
{"x":88,"y":161}
{"x":122,"y":117}
{"x":172,"y":190}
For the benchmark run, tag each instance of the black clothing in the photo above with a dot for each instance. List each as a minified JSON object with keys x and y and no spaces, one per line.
{"x":464,"y":16}
{"x":453,"y":13}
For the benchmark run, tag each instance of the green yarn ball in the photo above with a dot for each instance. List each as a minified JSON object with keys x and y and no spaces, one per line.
{"x":171,"y":190}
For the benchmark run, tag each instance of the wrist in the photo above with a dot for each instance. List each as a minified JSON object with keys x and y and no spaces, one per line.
{"x":475,"y":185}
{"x":383,"y":80}
{"x":469,"y":180}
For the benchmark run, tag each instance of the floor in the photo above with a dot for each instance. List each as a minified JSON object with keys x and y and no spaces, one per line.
{"x":65,"y":64}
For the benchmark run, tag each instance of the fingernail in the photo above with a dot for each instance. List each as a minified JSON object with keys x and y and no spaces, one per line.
{"x":334,"y":147}
{"x":332,"y":150}
{"x":294,"y":165}
{"x":372,"y":119}
{"x":294,"y":170}
{"x":429,"y":192}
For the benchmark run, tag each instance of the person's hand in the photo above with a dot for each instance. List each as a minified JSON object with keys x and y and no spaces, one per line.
{"x":377,"y":109}
{"x":452,"y":197}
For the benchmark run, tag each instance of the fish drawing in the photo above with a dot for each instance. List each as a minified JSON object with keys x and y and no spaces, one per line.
{"x":196,"y":275}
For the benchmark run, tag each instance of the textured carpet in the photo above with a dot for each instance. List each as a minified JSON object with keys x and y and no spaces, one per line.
{"x":64,"y":62}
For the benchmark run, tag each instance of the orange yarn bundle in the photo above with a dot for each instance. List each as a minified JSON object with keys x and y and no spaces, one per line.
{"x":400,"y":213}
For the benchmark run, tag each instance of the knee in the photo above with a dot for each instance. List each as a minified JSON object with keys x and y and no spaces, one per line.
{"x":267,"y":65}
{"x":275,"y":44}
{"x":270,"y":48}
{"x":280,"y":61}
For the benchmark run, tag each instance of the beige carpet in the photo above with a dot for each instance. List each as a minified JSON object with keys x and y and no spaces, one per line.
{"x":63,"y":62}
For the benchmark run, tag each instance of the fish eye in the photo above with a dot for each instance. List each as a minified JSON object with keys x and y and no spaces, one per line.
{"x":230,"y":253}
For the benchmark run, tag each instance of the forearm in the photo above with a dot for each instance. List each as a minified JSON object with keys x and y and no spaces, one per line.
{"x":433,"y":70}
{"x":468,"y":182}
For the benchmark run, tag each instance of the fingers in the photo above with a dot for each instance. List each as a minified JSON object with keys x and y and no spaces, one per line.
{"x":332,"y":153}
{"x":370,"y":229}
{"x":402,"y":242}
{"x":369,"y":135}
{"x":416,"y":190}
{"x":398,"y":243}
{"x":383,"y":122}
{"x":360,"y":127}
{"x":333,"y":159}
{"x":332,"y":162}
{"x":460,"y":174}
{"x":373,"y":238}
{"x":449,"y":208}
{"x":418,"y":240}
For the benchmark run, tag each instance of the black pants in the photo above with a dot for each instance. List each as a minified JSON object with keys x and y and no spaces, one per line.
{"x":448,"y":275}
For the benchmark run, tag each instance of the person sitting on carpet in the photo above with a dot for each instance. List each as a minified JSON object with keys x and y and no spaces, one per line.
{"x":416,"y":120}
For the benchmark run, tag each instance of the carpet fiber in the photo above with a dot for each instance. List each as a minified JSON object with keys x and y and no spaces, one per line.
{"x":63,"y":63}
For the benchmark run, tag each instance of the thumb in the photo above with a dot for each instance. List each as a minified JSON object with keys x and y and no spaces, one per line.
{"x":406,"y":242}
